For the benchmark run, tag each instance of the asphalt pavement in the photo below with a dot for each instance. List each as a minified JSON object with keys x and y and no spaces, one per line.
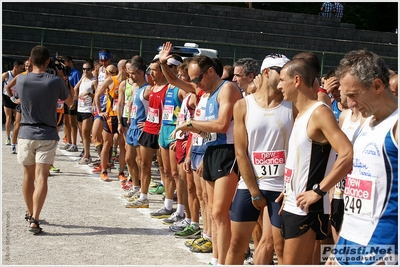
{"x":84,"y":221}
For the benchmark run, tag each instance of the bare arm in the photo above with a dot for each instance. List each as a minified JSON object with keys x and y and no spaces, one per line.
{"x":12,"y":83}
{"x":241,"y":146}
{"x":324,"y":128}
{"x":101,"y":91}
{"x":121,"y":98}
{"x":169,"y":75}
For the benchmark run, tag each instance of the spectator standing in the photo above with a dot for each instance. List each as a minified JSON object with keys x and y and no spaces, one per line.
{"x":338,"y":10}
{"x":38,"y":136}
{"x":327,"y":9}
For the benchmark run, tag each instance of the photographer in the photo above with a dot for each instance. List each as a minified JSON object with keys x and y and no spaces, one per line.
{"x":38,"y":137}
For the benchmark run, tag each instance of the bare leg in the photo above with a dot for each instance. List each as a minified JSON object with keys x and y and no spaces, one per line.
{"x":295,"y":251}
{"x":241,"y":233}
{"x":40,"y":192}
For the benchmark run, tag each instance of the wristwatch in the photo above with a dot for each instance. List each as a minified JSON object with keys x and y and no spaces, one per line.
{"x":316,"y":189}
{"x":189,"y":123}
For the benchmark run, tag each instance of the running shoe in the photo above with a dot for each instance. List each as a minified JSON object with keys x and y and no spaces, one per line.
{"x":66,"y":146}
{"x":8,"y":142}
{"x":122,"y":177}
{"x":203,"y":247}
{"x":153,"y":183}
{"x":54,"y":169}
{"x":130,"y":193}
{"x":179,"y":225}
{"x":84,"y":161}
{"x":82,"y":153}
{"x":126,"y":185}
{"x":175,"y":217}
{"x":134,"y":197}
{"x":189,"y":232}
{"x":104,"y":176}
{"x":162,"y":213}
{"x":138,"y":204}
{"x":248,"y":259}
{"x":13,"y":149}
{"x":72,"y":148}
{"x":98,"y":169}
{"x":198,"y":240}
{"x":95,"y":162}
{"x":158,"y":190}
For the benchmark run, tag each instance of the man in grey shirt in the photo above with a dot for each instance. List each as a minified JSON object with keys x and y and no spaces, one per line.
{"x":39,"y":92}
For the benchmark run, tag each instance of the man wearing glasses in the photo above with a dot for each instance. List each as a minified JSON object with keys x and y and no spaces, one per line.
{"x":220,"y":168}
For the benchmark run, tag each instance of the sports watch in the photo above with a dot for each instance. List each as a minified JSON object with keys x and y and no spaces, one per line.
{"x":316,"y":189}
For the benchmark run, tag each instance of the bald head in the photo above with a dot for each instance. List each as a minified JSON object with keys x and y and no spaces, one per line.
{"x":393,"y":83}
{"x":121,"y":64}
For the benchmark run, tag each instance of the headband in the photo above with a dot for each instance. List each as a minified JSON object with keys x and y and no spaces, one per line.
{"x":104,"y":55}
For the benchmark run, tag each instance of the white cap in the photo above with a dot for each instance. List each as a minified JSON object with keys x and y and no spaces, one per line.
{"x":173,"y":61}
{"x":274,"y":60}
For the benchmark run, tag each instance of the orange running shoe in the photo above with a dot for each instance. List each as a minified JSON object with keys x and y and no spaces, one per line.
{"x":97,"y":169}
{"x":104,"y":176}
{"x":122,"y":176}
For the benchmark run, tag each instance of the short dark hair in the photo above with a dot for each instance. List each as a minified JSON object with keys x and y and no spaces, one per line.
{"x":39,"y":55}
{"x":18,"y":63}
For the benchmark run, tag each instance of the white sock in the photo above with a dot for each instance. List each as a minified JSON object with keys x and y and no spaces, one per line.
{"x":214,"y":261}
{"x":143,"y":196}
{"x":168,"y":203}
{"x":137,"y":187}
{"x":189,"y":220}
{"x":180,"y":209}
{"x":195,"y":225}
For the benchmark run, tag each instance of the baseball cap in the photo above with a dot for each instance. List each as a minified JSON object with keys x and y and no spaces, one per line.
{"x":277,"y":60}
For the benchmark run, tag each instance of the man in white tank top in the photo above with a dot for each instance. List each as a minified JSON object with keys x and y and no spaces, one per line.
{"x":311,"y":169}
{"x":262,"y":125}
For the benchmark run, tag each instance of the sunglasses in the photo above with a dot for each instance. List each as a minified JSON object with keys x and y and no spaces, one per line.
{"x":200,"y":77}
{"x":277,"y":69}
{"x":86,"y":69}
{"x":170,"y":66}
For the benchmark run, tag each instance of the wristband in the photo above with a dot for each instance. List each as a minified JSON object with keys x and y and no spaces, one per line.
{"x":322,"y":90}
{"x":256,"y":198}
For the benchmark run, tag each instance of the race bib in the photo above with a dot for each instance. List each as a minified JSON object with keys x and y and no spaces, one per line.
{"x":359,"y":196}
{"x":210,"y":137}
{"x":269,"y":164}
{"x":168,"y":113}
{"x":288,"y":181}
{"x":115,"y":104}
{"x":197,"y":139}
{"x":133,"y":111}
{"x":181,"y":118}
{"x":60,"y":104}
{"x":152,"y":115}
{"x":339,"y":189}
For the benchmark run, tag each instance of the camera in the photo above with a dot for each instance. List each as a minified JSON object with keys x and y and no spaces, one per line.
{"x":57,"y":63}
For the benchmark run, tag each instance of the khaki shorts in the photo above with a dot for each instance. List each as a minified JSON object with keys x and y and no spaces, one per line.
{"x":36,"y":151}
